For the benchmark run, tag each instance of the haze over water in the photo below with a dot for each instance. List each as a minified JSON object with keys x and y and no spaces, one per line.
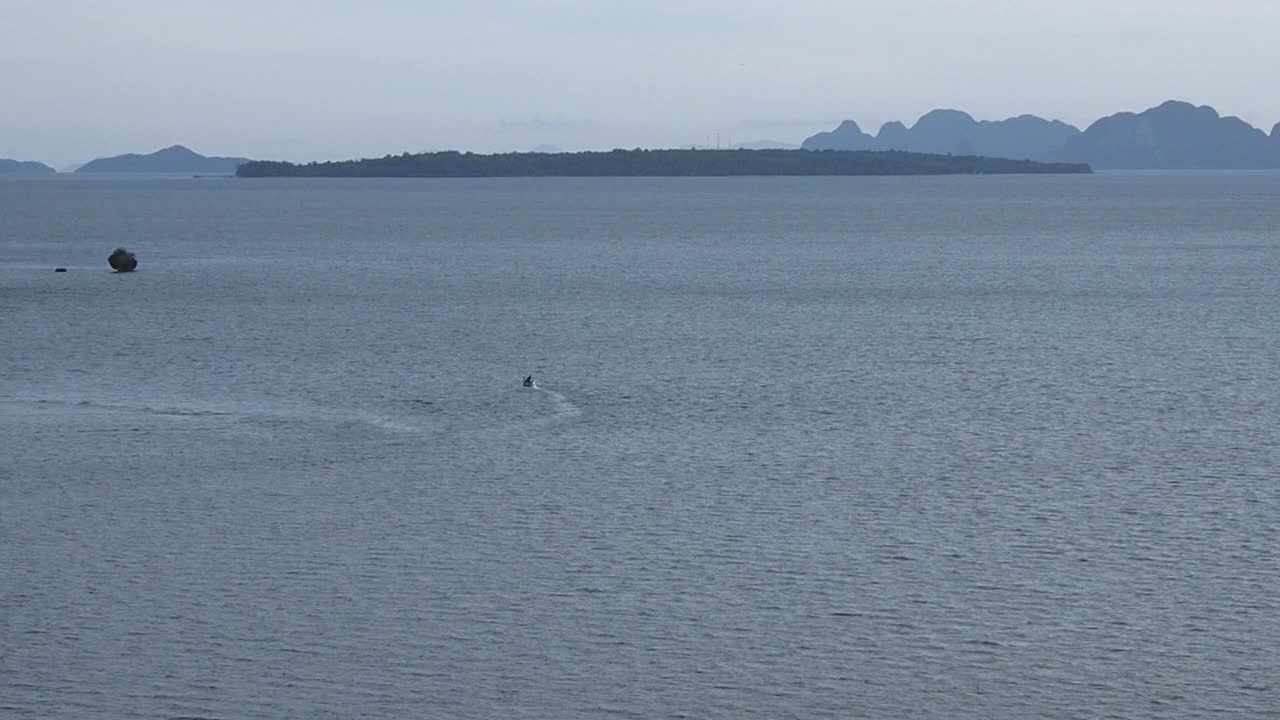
{"x":826,"y":447}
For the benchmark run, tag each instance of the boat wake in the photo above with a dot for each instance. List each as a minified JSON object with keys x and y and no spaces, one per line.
{"x":405,"y":417}
{"x":562,"y":405}
{"x":216,"y":416}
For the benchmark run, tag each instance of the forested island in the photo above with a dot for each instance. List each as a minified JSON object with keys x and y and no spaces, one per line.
{"x":659,"y":163}
{"x":19,"y":167}
{"x":174,"y":159}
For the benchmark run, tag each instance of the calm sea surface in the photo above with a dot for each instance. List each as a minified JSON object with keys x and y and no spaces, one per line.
{"x":988,"y":447}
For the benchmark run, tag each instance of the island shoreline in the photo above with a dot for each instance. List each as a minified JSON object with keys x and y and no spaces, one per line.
{"x":662,"y":163}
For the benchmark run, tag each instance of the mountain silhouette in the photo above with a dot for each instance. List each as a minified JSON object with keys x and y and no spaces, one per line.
{"x":1174,"y":135}
{"x":19,"y":167}
{"x":174,"y":159}
{"x":846,"y":136}
{"x":955,"y":133}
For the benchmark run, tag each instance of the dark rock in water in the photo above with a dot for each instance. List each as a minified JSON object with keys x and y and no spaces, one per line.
{"x":122,"y":261}
{"x":59,"y":269}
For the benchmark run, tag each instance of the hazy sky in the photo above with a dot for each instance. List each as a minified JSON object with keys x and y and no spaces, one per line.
{"x":321,"y":79}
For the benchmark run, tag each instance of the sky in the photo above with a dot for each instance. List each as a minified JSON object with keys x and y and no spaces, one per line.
{"x":331,"y":79}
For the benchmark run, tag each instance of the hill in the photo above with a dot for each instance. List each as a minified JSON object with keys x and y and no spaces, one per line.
{"x":955,"y":133}
{"x":656,"y":163}
{"x":175,"y":159}
{"x":1174,"y":135}
{"x":19,"y":167}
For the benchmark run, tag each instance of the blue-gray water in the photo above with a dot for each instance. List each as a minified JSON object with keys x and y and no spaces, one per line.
{"x":989,"y":447}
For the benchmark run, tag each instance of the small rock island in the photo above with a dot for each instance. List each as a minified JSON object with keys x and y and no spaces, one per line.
{"x":122,"y":261}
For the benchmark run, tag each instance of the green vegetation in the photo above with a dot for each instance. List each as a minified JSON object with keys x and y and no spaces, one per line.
{"x":658,"y":163}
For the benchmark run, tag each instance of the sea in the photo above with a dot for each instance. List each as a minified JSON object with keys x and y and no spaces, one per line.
{"x":925,"y":447}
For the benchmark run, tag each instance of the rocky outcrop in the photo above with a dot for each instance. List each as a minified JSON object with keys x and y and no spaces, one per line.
{"x":1174,"y":135}
{"x":846,"y":136}
{"x":122,"y":261}
{"x":951,"y":132}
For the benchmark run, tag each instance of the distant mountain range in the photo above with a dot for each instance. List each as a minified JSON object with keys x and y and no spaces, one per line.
{"x":1174,"y":135}
{"x":175,"y":159}
{"x":956,"y":133}
{"x":18,"y":167}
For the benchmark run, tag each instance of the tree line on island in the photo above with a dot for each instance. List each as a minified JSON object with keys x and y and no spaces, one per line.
{"x":656,"y":163}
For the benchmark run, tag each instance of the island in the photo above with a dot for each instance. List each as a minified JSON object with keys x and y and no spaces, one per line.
{"x":658,"y":163}
{"x":1174,"y":135}
{"x":173,"y":159}
{"x":122,"y":260}
{"x":954,"y":132}
{"x":20,"y":167}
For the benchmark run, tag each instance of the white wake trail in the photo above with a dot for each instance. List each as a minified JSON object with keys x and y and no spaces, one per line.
{"x":562,"y":404}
